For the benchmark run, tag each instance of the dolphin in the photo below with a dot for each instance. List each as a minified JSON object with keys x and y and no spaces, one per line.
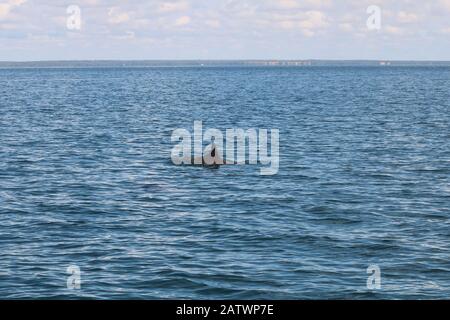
{"x":211,"y":159}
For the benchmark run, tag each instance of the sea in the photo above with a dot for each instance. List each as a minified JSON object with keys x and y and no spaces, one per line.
{"x":92,"y":207}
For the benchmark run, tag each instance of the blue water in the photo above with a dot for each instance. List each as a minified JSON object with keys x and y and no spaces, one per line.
{"x":86,"y":180}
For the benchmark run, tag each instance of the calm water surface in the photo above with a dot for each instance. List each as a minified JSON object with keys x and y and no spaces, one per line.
{"x":86,"y":180}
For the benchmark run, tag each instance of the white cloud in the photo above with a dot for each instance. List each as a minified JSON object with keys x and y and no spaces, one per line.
{"x":314,"y":20}
{"x":213,"y":23}
{"x":294,"y":4}
{"x":5,"y":8}
{"x":264,"y":27}
{"x":393,"y":30}
{"x":166,"y":7}
{"x":127,"y":36}
{"x":306,"y":23}
{"x":308,"y":33}
{"x":406,"y":17}
{"x":347,"y":27}
{"x":445,"y":4}
{"x":289,"y":4}
{"x":116,"y":16}
{"x":182,"y":21}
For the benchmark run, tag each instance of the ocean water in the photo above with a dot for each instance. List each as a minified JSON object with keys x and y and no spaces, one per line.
{"x":86,"y":180}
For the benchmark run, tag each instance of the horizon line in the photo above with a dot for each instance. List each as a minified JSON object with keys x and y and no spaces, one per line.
{"x":221,"y":60}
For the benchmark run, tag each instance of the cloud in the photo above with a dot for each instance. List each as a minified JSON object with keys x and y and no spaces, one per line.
{"x":406,"y":17}
{"x":393,"y":30}
{"x":182,"y":21}
{"x":314,"y":20}
{"x":307,"y":23}
{"x":167,"y":7}
{"x":445,"y":4}
{"x":232,"y":28}
{"x":127,"y":36}
{"x":295,"y":4}
{"x":116,"y":16}
{"x":5,"y":8}
{"x":288,"y":4}
{"x":308,"y":33}
{"x":213,"y":23}
{"x":347,"y":27}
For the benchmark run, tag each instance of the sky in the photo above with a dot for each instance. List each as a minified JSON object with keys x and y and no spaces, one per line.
{"x":32,"y":30}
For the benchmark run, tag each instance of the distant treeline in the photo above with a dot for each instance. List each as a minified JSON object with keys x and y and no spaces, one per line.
{"x":213,"y":63}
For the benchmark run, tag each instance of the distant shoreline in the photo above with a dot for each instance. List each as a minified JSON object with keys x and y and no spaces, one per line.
{"x":214,"y":63}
